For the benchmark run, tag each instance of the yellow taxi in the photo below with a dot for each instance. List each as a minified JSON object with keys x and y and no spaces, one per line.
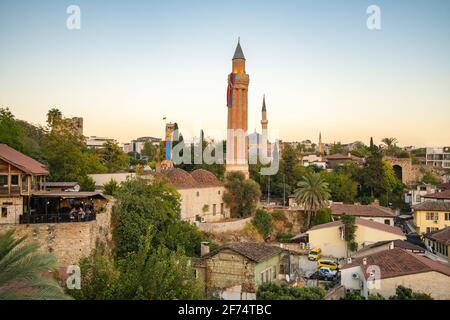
{"x":314,"y":254}
{"x":324,"y":263}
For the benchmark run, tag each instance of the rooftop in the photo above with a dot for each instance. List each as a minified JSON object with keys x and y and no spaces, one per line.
{"x":432,"y":206}
{"x":254,"y":251}
{"x":21,"y":161}
{"x":362,"y":222}
{"x":361,"y":210}
{"x":398,"y":262}
{"x":182,"y":179}
{"x":444,"y":186}
{"x":397,"y":244}
{"x":444,"y":195}
{"x":442,"y":236}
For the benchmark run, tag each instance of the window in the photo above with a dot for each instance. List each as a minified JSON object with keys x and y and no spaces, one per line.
{"x":221,"y":208}
{"x":198,"y":194}
{"x":3,"y":180}
{"x":14,"y":180}
{"x":4,"y":212}
{"x":218,"y":192}
{"x":214,"y":209}
{"x":447,"y":216}
{"x":418,"y":198}
{"x":432,"y":216}
{"x":387,"y":221}
{"x":274,"y":272}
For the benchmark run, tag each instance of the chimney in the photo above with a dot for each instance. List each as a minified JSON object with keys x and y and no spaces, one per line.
{"x":364,"y":261}
{"x":204,"y":248}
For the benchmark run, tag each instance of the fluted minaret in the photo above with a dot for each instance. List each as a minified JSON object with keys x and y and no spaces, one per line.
{"x":237,"y":102}
{"x":320,"y":143}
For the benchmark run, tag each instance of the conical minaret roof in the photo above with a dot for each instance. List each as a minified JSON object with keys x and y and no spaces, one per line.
{"x":264,"y":104}
{"x":238,"y":54}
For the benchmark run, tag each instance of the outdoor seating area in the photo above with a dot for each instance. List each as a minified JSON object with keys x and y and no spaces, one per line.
{"x":63,"y":207}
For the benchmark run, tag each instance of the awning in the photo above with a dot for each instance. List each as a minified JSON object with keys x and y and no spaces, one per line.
{"x":68,"y":195}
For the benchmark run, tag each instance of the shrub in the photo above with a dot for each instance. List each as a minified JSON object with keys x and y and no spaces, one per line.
{"x":110,"y":188}
{"x":278,"y":215}
{"x":263,"y":222}
{"x":272,"y":291}
{"x":322,"y":216}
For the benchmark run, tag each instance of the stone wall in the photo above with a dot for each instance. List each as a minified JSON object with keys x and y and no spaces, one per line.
{"x":69,"y":242}
{"x":226,"y":226}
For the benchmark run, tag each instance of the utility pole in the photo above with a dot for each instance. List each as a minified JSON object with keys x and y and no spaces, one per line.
{"x":284,"y":190}
{"x":268,"y":192}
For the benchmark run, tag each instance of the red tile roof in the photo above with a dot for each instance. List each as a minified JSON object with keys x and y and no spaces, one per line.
{"x":361,"y":210}
{"x":21,"y":161}
{"x":442,"y":236}
{"x":254,"y":251}
{"x":398,"y":262}
{"x":363,"y":222}
{"x":444,"y":186}
{"x":444,"y":195}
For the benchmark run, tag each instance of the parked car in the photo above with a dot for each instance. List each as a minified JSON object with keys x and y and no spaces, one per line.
{"x":324,"y":274}
{"x":314,"y":254}
{"x":324,"y":263}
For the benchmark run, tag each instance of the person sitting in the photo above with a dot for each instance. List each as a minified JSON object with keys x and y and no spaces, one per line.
{"x":72,"y":214}
{"x":81,"y":213}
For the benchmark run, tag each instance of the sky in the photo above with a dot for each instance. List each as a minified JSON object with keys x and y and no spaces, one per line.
{"x":134,"y":62}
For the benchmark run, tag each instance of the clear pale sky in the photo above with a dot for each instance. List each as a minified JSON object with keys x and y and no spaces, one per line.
{"x":134,"y":62}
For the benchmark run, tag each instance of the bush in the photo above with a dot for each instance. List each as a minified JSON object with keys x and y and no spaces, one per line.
{"x":272,"y":291}
{"x":284,"y":237}
{"x":86,"y":183}
{"x":365,"y":200}
{"x":111,"y":187}
{"x":278,"y":215}
{"x":263,"y":222}
{"x":322,"y":216}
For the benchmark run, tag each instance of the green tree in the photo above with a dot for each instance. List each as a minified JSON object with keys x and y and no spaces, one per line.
{"x":429,"y":178}
{"x":313,"y":193}
{"x":348,"y":223}
{"x":404,"y":293}
{"x":10,"y":131}
{"x":273,"y":291}
{"x":390,"y":146}
{"x":112,"y":157}
{"x":54,"y":116}
{"x":337,"y":148}
{"x":353,"y":295}
{"x":22,"y":268}
{"x":241,"y":195}
{"x":342,"y":187}
{"x":263,"y":222}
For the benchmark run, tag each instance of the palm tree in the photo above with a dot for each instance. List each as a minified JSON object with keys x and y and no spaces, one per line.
{"x":22,"y":271}
{"x":313,"y":193}
{"x":53,"y":115}
{"x":390,"y":145}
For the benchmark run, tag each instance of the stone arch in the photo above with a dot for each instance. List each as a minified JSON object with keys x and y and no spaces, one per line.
{"x":403,"y":168}
{"x":398,"y":171}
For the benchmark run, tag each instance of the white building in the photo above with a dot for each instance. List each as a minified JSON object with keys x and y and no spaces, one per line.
{"x":201,"y":194}
{"x":381,"y":273}
{"x":94,"y":142}
{"x":416,"y":195}
{"x":438,"y":157}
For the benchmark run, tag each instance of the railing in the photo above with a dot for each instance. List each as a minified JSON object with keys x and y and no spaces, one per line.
{"x":14,"y":190}
{"x":55,"y":218}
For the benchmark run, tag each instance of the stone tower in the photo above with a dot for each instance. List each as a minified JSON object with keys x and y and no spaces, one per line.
{"x":237,"y":103}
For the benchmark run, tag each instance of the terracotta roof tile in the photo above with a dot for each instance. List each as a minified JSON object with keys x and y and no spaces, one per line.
{"x":442,"y":236}
{"x":361,"y":210}
{"x":439,"y":195}
{"x":206,"y":178}
{"x":364,"y":222}
{"x":398,"y":262}
{"x":254,"y":251}
{"x":433,"y":206}
{"x":21,"y":161}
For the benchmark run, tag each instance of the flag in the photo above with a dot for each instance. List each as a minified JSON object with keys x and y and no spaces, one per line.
{"x":231,"y":80}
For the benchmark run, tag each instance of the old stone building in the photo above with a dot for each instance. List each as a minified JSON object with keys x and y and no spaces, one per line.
{"x":201,"y":194}
{"x":235,"y":270}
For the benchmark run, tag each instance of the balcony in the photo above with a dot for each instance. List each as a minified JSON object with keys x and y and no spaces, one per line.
{"x":13,"y":191}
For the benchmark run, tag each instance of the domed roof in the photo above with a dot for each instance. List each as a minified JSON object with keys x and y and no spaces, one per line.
{"x":180,"y":178}
{"x":205,"y":178}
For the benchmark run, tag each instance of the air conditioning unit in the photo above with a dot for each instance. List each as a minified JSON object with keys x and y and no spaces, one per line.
{"x":355,"y":276}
